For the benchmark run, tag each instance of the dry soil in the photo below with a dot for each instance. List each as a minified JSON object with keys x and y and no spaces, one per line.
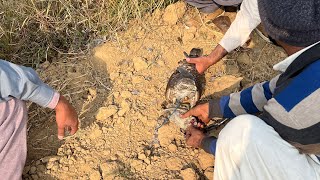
{"x":118,"y":91}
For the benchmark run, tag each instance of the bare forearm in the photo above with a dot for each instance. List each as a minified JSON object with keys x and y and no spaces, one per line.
{"x":217,"y":54}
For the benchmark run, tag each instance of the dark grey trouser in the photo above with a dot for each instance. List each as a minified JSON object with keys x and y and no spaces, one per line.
{"x":209,"y":6}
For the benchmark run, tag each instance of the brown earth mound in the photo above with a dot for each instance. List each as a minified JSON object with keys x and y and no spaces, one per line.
{"x":114,"y":141}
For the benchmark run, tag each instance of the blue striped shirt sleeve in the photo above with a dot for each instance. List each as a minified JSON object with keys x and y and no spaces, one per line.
{"x":209,"y":144}
{"x":248,"y":101}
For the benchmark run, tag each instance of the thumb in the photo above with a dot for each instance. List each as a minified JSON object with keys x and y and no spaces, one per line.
{"x":60,"y":132}
{"x":192,"y":60}
{"x":74,"y":129}
{"x":187,"y":114}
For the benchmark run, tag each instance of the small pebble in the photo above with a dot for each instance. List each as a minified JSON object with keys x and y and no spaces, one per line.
{"x":113,"y":158}
{"x":135,"y":92}
{"x":33,"y":170}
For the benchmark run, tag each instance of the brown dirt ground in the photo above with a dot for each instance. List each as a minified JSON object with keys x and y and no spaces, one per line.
{"x":118,"y":91}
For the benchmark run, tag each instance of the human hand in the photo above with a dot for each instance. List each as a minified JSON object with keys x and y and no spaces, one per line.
{"x":200,"y":111}
{"x":204,"y":62}
{"x":66,"y":117}
{"x":194,"y":137}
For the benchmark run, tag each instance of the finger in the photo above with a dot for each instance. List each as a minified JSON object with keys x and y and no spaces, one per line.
{"x":188,"y":143}
{"x":188,"y":113}
{"x":200,"y":125}
{"x":200,"y":69}
{"x":188,"y":136}
{"x":188,"y":130}
{"x":191,"y":129}
{"x":60,"y":132}
{"x":192,"y":60}
{"x":202,"y":118}
{"x":74,"y":129}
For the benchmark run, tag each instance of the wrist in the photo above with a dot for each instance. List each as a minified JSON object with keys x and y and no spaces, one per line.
{"x":217,"y":54}
{"x":201,"y":141}
{"x":208,"y":144}
{"x":54,"y":101}
{"x":212,"y":58}
{"x":62,"y":103}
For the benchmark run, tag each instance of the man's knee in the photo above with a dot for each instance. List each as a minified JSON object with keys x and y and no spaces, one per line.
{"x":241,"y":131}
{"x":239,"y":126}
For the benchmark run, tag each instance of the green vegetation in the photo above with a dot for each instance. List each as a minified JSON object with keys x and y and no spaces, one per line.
{"x":33,"y":31}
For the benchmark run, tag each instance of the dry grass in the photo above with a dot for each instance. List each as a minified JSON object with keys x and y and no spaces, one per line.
{"x":33,"y":31}
{"x":62,"y":32}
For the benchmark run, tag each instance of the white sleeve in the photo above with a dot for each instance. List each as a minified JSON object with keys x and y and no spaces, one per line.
{"x":247,"y":19}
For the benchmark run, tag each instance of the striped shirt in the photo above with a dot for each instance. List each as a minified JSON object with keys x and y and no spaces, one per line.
{"x":289,"y":102}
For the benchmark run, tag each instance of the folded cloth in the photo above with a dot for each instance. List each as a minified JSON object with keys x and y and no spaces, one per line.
{"x":228,"y":2}
{"x":205,"y":6}
{"x":209,"y":6}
